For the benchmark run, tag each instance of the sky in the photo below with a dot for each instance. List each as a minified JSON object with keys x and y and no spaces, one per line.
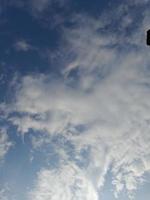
{"x":74,"y":100}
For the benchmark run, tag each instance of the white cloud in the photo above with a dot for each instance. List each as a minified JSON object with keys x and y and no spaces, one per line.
{"x":109,"y":98}
{"x":22,"y":45}
{"x":66,"y":183}
{"x":3,"y":195}
{"x":5,"y":192}
{"x":5,"y":144}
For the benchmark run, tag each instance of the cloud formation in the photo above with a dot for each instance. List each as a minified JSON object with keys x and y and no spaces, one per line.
{"x":39,"y":6}
{"x":22,"y":45}
{"x":5,"y":144}
{"x":53,"y":184}
{"x":100,"y":105}
{"x":3,"y":195}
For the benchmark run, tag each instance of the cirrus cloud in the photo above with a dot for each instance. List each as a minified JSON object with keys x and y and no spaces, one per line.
{"x":101,"y":103}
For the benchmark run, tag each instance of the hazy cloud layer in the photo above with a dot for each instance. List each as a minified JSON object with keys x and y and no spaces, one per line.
{"x":3,"y":195}
{"x":41,"y":5}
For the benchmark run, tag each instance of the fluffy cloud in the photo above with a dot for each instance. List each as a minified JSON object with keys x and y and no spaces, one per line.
{"x":53,"y":184}
{"x":101,"y":103}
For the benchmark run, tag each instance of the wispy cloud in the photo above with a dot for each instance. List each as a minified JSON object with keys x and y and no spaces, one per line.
{"x":39,"y":6}
{"x":105,"y":90}
{"x":53,"y":184}
{"x":22,"y":45}
{"x":5,"y":144}
{"x":3,"y":194}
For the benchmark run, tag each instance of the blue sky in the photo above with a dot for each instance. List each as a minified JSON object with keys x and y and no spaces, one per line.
{"x":74,"y":100}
